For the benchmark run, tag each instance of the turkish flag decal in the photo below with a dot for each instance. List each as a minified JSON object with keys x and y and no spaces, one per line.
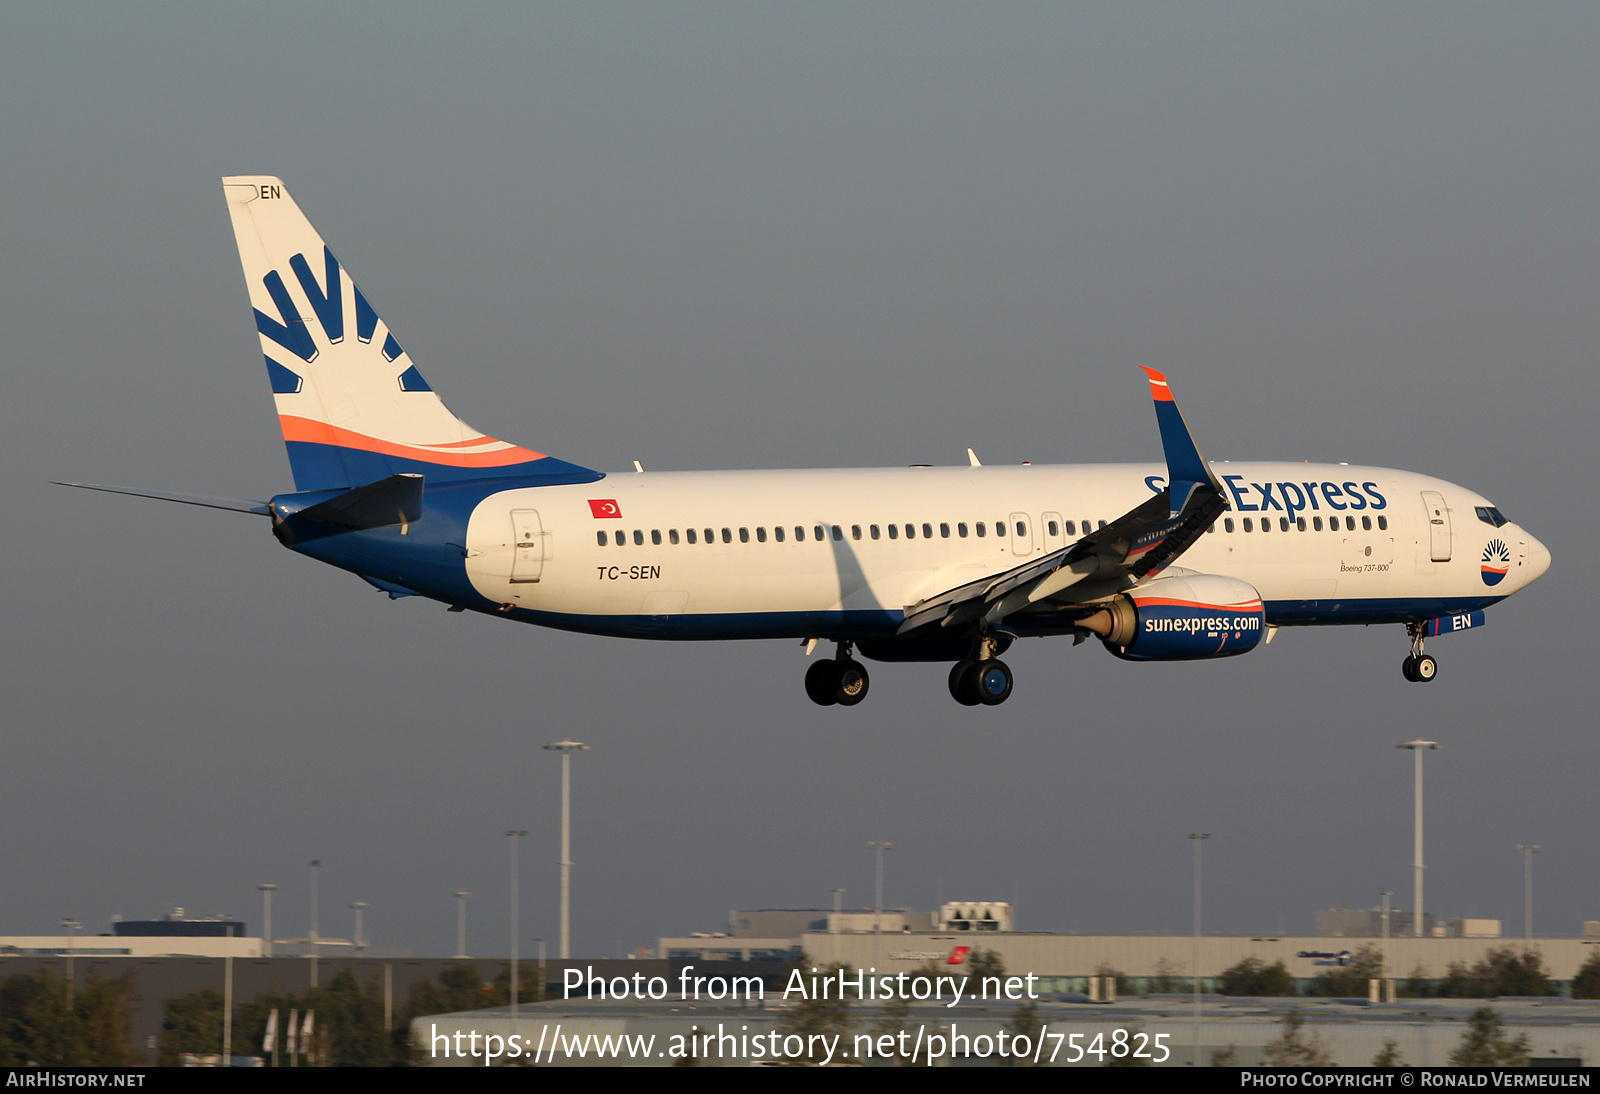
{"x":958,"y":956}
{"x":605,"y":509}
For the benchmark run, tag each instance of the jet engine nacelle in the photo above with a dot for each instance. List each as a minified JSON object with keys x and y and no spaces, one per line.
{"x":1182,"y":618}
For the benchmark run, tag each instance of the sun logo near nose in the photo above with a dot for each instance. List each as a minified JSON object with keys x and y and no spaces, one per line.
{"x":1496,"y":562}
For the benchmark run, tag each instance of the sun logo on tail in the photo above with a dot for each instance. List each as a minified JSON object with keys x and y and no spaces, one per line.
{"x":1496,"y":562}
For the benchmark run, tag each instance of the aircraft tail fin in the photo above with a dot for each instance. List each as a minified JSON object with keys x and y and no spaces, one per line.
{"x":352,"y":404}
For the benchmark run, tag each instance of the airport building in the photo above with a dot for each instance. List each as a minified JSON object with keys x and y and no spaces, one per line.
{"x":901,"y":940}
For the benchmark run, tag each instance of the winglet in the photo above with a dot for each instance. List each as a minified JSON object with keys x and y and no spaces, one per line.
{"x":1186,"y":468}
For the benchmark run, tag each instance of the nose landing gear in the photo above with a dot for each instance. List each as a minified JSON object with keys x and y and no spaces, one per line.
{"x":1418,"y":667}
{"x":842,"y":681}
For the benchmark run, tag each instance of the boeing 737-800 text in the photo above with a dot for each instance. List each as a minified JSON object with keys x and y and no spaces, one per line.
{"x":917,"y":564}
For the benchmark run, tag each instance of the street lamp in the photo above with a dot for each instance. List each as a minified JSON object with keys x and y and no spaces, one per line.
{"x":833,"y":924}
{"x":1195,"y":971}
{"x":1527,"y":851}
{"x":316,"y":872}
{"x":359,"y":907}
{"x":1384,"y":995}
{"x":877,"y":906}
{"x":516,"y":835}
{"x":266,"y":918}
{"x":566,"y":747}
{"x":1417,"y":747}
{"x":461,"y":922}
{"x":70,"y":925}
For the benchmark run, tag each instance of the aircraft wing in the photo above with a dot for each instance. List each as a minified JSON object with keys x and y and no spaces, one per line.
{"x":1137,"y":545}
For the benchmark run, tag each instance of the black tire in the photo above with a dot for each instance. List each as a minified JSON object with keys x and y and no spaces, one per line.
{"x":961,"y":688}
{"x":992,"y":681}
{"x":1408,"y":669}
{"x":822,"y":684}
{"x":1426,"y":669}
{"x":850,"y":682}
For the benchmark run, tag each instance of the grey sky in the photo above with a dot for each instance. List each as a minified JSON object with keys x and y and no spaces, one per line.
{"x":806,"y":235}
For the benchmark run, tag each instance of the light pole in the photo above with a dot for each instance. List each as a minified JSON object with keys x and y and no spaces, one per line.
{"x":266,"y":918}
{"x":1384,"y":972}
{"x":70,"y":925}
{"x":833,"y":924}
{"x":1417,"y":747}
{"x":1195,"y":971}
{"x":461,"y":922}
{"x":516,"y":835}
{"x":359,"y":907}
{"x":877,"y":904}
{"x":1527,"y":851}
{"x":566,"y":747}
{"x":316,"y":872}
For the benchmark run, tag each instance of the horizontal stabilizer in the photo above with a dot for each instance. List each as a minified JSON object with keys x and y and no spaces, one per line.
{"x":239,"y":505}
{"x":394,"y":500}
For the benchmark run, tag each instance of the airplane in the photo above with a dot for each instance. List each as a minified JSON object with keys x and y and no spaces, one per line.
{"x":941,"y":564}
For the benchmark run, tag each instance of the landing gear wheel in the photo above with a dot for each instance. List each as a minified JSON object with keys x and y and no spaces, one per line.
{"x":962,"y":688}
{"x":992,"y":680}
{"x":1408,"y":669}
{"x":850,"y":683}
{"x":821,"y":684}
{"x":1425,"y":669}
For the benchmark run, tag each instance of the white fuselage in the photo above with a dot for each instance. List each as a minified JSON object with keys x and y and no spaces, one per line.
{"x":757,"y":567}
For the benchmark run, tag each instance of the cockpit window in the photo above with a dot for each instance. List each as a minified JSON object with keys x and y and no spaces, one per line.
{"x":1490,"y":515}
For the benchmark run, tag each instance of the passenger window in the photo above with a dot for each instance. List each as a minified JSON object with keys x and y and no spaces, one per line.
{"x":1227,"y":524}
{"x":1349,"y":524}
{"x":1266,"y":524}
{"x":777,"y":533}
{"x":690,"y":534}
{"x":638,"y":538}
{"x":944,"y":531}
{"x":1316,"y":524}
{"x":601,"y":536}
{"x":1055,"y":529}
{"x":1283,"y":524}
{"x":1102,"y":526}
{"x":894,"y":531}
{"x":799,"y":534}
{"x":927,"y":531}
{"x":818,"y":531}
{"x":1072,"y":529}
{"x":1212,"y":527}
{"x":979,"y":528}
{"x":727,"y":535}
{"x":873,"y":530}
{"x":761,"y":535}
{"x":1366,"y":524}
{"x":838,"y":534}
{"x":1247,"y":525}
{"x":709,"y":535}
{"x":1383,"y":524}
{"x":961,"y":529}
{"x":744,"y":535}
{"x":1022,"y":529}
{"x":855,"y":531}
{"x":911,"y":531}
{"x":672,"y":535}
{"x":655,"y":536}
{"x":1300,"y":523}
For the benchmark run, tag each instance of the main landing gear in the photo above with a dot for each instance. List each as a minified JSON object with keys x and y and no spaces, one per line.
{"x":1419,"y":667}
{"x":842,"y":681}
{"x":984,"y":680}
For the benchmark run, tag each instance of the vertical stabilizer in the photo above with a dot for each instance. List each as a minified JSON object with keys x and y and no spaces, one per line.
{"x":352,"y":404}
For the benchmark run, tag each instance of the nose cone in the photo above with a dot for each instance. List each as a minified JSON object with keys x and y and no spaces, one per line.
{"x":1535,"y":559}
